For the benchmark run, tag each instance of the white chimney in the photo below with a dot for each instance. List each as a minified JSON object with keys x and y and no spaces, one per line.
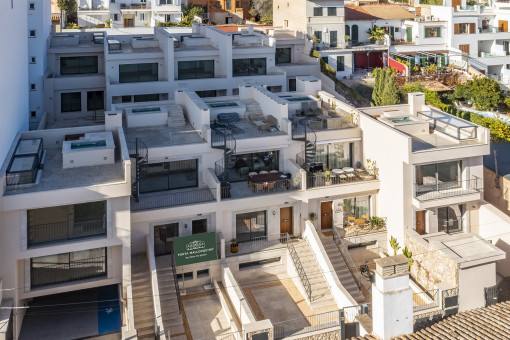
{"x":392,"y":298}
{"x":416,"y":102}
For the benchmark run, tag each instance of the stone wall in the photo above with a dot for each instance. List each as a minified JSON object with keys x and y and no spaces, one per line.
{"x":431,"y":266}
{"x":331,"y":335}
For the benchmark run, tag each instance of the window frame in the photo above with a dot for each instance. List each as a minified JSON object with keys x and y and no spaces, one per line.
{"x":318,"y":11}
{"x":132,"y":76}
{"x":252,"y":65}
{"x":199,"y":66}
{"x":332,"y":11}
{"x":72,"y":100}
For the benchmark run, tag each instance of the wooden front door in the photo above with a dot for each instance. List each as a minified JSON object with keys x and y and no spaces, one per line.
{"x":456,"y":3}
{"x":129,"y":20}
{"x":420,"y":222}
{"x":326,"y":215}
{"x":503,"y":25}
{"x":286,"y":220}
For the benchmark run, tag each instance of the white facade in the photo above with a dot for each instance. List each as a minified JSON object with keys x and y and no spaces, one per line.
{"x":39,"y":25}
{"x":125,"y":13}
{"x":15,"y":85}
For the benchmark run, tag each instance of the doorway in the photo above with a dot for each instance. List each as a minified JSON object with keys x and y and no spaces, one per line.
{"x":164,"y":238}
{"x":199,"y":226}
{"x":286,"y":220}
{"x":420,"y":222}
{"x":326,"y":215}
{"x":129,"y":20}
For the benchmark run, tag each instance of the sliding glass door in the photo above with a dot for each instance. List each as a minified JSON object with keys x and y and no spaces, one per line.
{"x":335,"y":155}
{"x":439,"y":173}
{"x":449,"y":219}
{"x":356,"y":207}
{"x":251,"y":225}
{"x":164,"y":238}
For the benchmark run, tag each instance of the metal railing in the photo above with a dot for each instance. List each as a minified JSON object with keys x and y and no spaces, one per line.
{"x":351,"y":312}
{"x":260,"y":188}
{"x":344,"y":251}
{"x":173,"y":199}
{"x":306,"y":324}
{"x":299,"y":267}
{"x":317,"y":180}
{"x":425,"y":300}
{"x":62,"y":231}
{"x":176,"y":281}
{"x":438,"y":190}
{"x":256,"y":244}
{"x":146,"y":5}
{"x":57,"y":273}
{"x":139,"y":151}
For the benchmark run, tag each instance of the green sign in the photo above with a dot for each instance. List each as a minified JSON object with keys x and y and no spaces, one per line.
{"x":195,"y":248}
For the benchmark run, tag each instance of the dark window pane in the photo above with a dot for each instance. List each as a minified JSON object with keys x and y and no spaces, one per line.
{"x":317,"y":11}
{"x":169,"y":176}
{"x":131,"y":73}
{"x":249,"y":67}
{"x":146,"y":97}
{"x":283,"y":55}
{"x":199,"y":226}
{"x":95,"y":100}
{"x":292,"y":84}
{"x":331,"y":11}
{"x":126,"y":99}
{"x":78,"y":65}
{"x":340,"y":63}
{"x":250,"y":225}
{"x":205,"y":94}
{"x":195,"y":69}
{"x":70,"y":102}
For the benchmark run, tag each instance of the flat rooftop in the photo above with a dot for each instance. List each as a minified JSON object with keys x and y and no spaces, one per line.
{"x":436,"y":140}
{"x":156,"y":136}
{"x":464,"y":247}
{"x":54,"y":177}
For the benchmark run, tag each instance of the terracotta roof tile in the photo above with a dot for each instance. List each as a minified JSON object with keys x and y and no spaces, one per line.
{"x":353,"y":12}
{"x":388,"y":11}
{"x":482,"y":323}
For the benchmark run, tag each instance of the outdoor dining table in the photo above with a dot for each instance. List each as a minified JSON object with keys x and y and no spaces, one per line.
{"x":268,"y":177}
{"x":337,"y":171}
{"x":348,"y":169}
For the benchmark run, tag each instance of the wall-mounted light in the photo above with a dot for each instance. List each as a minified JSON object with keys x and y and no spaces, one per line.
{"x":274,"y":213}
{"x":185,"y":226}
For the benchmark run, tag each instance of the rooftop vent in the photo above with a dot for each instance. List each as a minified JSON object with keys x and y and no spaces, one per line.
{"x":114,"y":46}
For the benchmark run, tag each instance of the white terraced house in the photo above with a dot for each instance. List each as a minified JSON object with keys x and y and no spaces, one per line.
{"x":202,"y":184}
{"x":128,"y":13}
{"x":89,"y":71}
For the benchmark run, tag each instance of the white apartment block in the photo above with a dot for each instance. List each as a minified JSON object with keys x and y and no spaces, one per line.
{"x":151,"y":64}
{"x":127,"y":13}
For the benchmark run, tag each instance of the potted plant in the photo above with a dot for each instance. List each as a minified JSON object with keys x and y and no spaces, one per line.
{"x":327,"y":175}
{"x":347,"y":41}
{"x":372,"y":168}
{"x":234,"y":246}
{"x":313,"y":217}
{"x":377,"y":222}
{"x":409,"y":254}
{"x":394,"y":245}
{"x":376,"y":33}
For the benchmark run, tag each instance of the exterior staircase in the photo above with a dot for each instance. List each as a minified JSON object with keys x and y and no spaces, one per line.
{"x":175,"y":116}
{"x":252,"y":106}
{"x":321,"y":295}
{"x":172,"y":317}
{"x":142,"y":297}
{"x":342,"y":270}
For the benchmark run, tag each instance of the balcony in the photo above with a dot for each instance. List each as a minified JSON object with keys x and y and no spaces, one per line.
{"x":172,"y":199}
{"x":437,"y":190}
{"x":256,"y":244}
{"x":136,"y":7}
{"x":329,"y":178}
{"x":65,"y":231}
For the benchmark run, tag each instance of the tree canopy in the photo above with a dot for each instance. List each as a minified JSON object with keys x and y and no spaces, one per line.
{"x":262,"y":10}
{"x":69,"y":6}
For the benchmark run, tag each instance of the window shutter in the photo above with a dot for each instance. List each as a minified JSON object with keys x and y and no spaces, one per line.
{"x":427,"y":34}
{"x":456,"y":29}
{"x":471,"y":28}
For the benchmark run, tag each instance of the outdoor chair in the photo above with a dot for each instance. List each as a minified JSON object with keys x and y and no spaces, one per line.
{"x":271,"y":186}
{"x":263,"y":172}
{"x":268,"y":123}
{"x":252,"y":117}
{"x":273,"y":171}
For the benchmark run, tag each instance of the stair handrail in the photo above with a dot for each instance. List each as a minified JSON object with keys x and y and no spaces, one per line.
{"x":176,"y":282}
{"x":344,"y":251}
{"x":297,"y":263}
{"x":140,"y":152}
{"x":313,"y":134}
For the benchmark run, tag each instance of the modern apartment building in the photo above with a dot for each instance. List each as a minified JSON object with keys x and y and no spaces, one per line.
{"x":89,"y":71}
{"x":322,"y":19}
{"x":143,"y":13}
{"x":65,"y":216}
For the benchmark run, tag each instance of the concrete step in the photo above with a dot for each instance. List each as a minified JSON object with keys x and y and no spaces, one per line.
{"x":177,"y":329}
{"x":169,"y":308}
{"x":145,"y":331}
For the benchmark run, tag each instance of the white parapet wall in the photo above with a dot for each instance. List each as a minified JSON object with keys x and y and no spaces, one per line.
{"x":236,"y":295}
{"x":340,"y":294}
{"x":155,"y":287}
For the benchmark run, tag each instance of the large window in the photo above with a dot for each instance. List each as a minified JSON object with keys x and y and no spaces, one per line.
{"x":196,"y":69}
{"x":70,"y":102}
{"x":340,"y":64}
{"x":78,"y":65}
{"x":95,"y":100}
{"x":166,"y":2}
{"x":251,"y":225}
{"x":449,"y":219}
{"x":66,"y":222}
{"x":67,"y":267}
{"x":317,"y":11}
{"x":357,"y":207}
{"x":249,"y":162}
{"x":169,"y":176}
{"x":283,"y":55}
{"x":432,"y":32}
{"x":438,"y":173}
{"x":331,"y":11}
{"x":249,"y":67}
{"x":132,"y":73}
{"x":334,"y":156}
